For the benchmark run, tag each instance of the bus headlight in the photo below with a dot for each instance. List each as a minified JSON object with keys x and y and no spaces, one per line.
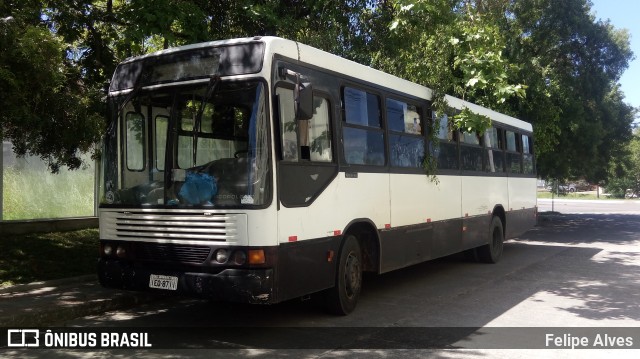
{"x":239,"y":257}
{"x":121,"y":252}
{"x":107,"y":249}
{"x":222,"y":255}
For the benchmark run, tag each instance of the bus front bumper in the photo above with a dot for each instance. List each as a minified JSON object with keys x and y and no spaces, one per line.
{"x":253,"y":286}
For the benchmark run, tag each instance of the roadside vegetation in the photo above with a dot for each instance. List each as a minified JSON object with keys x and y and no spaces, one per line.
{"x":45,"y":256}
{"x":624,"y":181}
{"x":574,"y":195}
{"x":37,"y":193}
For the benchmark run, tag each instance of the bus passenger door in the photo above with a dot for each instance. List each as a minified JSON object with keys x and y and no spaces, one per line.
{"x":303,"y":174}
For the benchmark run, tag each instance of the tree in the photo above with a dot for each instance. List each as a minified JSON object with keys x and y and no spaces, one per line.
{"x":460,"y":54}
{"x":56,"y":56}
{"x":46,"y":108}
{"x":571,"y":63}
{"x":568,"y":62}
{"x":625,"y":171}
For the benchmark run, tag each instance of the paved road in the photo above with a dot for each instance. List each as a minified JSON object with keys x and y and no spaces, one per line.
{"x":574,"y":270}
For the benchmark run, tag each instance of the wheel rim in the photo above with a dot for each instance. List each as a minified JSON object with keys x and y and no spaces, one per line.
{"x":352,"y":275}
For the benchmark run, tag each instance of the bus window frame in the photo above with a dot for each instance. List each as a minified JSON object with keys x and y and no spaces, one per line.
{"x":365,"y":167}
{"x":479,"y":146}
{"x":453,"y":141}
{"x":507,"y":152}
{"x":531,"y":153}
{"x":278,"y":127}
{"x":498,"y":149}
{"x":422,"y":135}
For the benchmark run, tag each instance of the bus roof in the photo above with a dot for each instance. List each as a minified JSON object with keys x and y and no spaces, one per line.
{"x":341,"y":65}
{"x":334,"y":63}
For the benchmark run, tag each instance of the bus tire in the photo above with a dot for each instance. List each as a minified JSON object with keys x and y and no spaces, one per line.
{"x":343,"y":297}
{"x":492,"y":252}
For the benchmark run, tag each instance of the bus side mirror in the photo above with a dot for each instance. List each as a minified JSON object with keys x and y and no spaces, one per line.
{"x":304,"y":101}
{"x":302,"y":95}
{"x":304,"y":112}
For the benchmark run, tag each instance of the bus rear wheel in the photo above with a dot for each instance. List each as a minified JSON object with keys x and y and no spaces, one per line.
{"x":492,"y":252}
{"x":343,"y":297}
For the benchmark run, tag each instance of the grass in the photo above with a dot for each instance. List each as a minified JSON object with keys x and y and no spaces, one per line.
{"x":45,"y":256}
{"x":31,"y":191}
{"x":575,"y":195}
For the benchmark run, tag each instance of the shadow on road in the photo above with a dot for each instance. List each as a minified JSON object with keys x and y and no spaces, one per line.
{"x":587,"y":228}
{"x":590,"y":263}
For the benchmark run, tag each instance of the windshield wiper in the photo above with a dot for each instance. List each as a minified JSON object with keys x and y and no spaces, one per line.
{"x":211,"y":87}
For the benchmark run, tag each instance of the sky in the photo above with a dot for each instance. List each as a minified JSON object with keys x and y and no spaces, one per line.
{"x":624,"y":14}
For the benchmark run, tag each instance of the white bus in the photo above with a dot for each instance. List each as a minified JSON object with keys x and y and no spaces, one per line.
{"x":259,"y":170}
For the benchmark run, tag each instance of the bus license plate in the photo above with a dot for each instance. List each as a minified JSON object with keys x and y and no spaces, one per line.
{"x":163,"y":282}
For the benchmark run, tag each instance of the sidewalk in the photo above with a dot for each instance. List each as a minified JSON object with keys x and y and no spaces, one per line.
{"x":52,"y":303}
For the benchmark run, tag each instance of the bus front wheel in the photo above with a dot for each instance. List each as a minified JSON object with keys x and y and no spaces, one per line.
{"x":343,"y":297}
{"x":491,"y":252}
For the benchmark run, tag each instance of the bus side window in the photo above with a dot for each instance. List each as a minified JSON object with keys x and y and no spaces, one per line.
{"x":527,"y":155}
{"x":446,"y":148}
{"x":406,"y":143}
{"x":288,"y":126}
{"x":470,"y":152}
{"x":160,"y":140}
{"x":494,"y":159}
{"x":319,"y":132}
{"x":361,"y":108}
{"x":363,"y":137}
{"x":514,"y":155}
{"x":135,"y":140}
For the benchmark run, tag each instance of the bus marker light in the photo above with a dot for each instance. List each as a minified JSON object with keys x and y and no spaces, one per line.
{"x":464,"y":228}
{"x":293,"y":238}
{"x":337,"y":232}
{"x":330,"y":256}
{"x":108,"y":249}
{"x":428,"y":220}
{"x":387,"y":226}
{"x":256,"y":256}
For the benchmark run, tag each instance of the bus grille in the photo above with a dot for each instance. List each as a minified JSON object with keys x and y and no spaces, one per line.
{"x":176,"y":227}
{"x":171,"y":253}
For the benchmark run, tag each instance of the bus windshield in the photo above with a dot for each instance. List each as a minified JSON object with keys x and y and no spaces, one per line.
{"x":188,"y":146}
